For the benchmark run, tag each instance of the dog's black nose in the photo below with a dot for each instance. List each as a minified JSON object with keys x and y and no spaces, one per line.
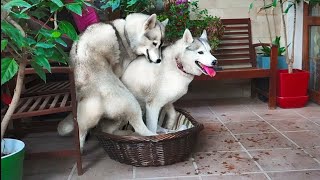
{"x":214,"y":63}
{"x":158,"y":61}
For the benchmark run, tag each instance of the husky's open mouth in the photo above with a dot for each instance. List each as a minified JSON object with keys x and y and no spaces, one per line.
{"x":206,"y":69}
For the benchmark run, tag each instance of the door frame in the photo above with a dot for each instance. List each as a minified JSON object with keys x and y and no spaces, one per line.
{"x":308,"y":21}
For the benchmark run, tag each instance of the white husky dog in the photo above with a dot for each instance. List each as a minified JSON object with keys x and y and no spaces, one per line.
{"x":99,"y":58}
{"x":159,"y":85}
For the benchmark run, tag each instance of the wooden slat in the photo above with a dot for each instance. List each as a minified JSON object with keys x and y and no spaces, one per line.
{"x":55,"y":85}
{"x":222,"y":51}
{"x":44,"y":103}
{"x":236,"y":32}
{"x":228,"y":28}
{"x":239,"y":55}
{"x":241,"y":73}
{"x":35,"y":104}
{"x":233,"y":62}
{"x":33,"y":88}
{"x":54,"y":102}
{"x":63,"y":85}
{"x":234,"y":38}
{"x":235,"y":21}
{"x":25,"y":105}
{"x":234,"y":44}
{"x":61,"y":153}
{"x":41,"y":112}
{"x":65,"y":98}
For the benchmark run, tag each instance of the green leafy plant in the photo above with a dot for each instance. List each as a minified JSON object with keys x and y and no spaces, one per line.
{"x":129,"y":6}
{"x":267,"y":49}
{"x":179,"y":20}
{"x":22,"y":45}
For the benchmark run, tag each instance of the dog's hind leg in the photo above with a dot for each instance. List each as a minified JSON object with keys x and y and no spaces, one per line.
{"x":89,"y":114}
{"x":152,"y":116}
{"x":171,"y":115}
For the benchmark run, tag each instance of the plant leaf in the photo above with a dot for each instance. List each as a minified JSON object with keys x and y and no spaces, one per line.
{"x":9,"y":68}
{"x":44,"y":45}
{"x":20,"y":15}
{"x":43,"y":61}
{"x":13,"y":33}
{"x":131,"y":2}
{"x":39,"y":70}
{"x":274,"y":3}
{"x":74,"y":7}
{"x":55,"y":34}
{"x":57,"y":2}
{"x":288,"y":8}
{"x":68,"y":29}
{"x":4,"y":44}
{"x":61,"y":42}
{"x":16,"y":3}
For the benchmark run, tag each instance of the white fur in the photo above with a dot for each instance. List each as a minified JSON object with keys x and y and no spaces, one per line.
{"x":97,"y":67}
{"x":157,"y":86}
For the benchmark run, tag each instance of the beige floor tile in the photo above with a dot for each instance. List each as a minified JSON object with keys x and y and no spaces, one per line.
{"x":104,"y":169}
{"x":236,"y":177}
{"x":314,"y":152}
{"x":294,"y":124}
{"x":179,"y":169}
{"x":301,"y":175}
{"x":202,"y":114}
{"x":264,"y":141}
{"x":50,"y":176}
{"x":278,"y":114}
{"x":316,"y":120}
{"x":310,"y":112}
{"x":236,"y":116}
{"x":218,"y":143}
{"x":173,"y":178}
{"x":224,"y":162}
{"x":305,"y":139}
{"x":249,"y":127}
{"x":215,"y":128}
{"x":284,"y":159}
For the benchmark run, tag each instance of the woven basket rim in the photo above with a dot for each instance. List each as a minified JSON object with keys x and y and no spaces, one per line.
{"x":158,"y":138}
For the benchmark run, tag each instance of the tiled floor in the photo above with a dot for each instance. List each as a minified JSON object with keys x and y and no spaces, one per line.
{"x":242,"y":140}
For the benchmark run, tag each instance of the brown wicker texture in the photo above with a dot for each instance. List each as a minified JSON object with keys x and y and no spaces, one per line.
{"x":163,"y":149}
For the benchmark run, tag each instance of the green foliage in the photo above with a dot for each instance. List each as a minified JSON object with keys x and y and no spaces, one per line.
{"x":267,"y":50}
{"x":128,"y":6}
{"x":40,"y":45}
{"x":9,"y":68}
{"x":179,"y":20}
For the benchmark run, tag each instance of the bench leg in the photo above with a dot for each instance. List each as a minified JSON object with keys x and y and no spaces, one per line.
{"x":272,"y":92}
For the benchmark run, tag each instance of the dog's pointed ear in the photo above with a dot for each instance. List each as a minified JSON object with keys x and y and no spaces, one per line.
{"x":204,"y":35}
{"x":150,"y":22}
{"x":165,"y":22}
{"x":187,"y":36}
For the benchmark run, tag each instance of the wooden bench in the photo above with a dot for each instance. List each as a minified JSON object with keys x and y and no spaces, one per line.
{"x":237,"y":58}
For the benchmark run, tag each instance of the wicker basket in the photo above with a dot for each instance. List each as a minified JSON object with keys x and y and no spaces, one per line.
{"x":163,"y":149}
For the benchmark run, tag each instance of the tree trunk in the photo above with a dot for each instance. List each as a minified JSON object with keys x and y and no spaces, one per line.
{"x":285,"y":33}
{"x":16,"y":97}
{"x":268,"y":23}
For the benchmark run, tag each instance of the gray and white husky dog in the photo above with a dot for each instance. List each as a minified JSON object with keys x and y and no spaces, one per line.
{"x":99,"y":58}
{"x":158,"y":86}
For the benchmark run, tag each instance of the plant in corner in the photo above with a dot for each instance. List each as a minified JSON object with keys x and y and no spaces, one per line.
{"x":21,"y":47}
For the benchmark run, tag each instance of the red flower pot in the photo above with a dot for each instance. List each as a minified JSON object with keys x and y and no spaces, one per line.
{"x":292,"y":88}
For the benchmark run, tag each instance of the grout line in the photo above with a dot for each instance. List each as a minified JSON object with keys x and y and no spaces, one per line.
{"x":169,"y":177}
{"x":133,"y":172}
{"x":293,"y":170}
{"x":231,"y":174}
{"x":305,"y":117}
{"x":270,"y":132}
{"x":72,"y":171}
{"x":195,"y":166}
{"x":288,"y":138}
{"x":242,"y":146}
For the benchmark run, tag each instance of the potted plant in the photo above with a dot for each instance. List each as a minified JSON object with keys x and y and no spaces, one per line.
{"x":263,"y":61}
{"x":21,"y":47}
{"x":292,"y":83}
{"x":179,"y":12}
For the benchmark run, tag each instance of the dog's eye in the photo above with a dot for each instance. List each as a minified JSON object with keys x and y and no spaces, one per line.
{"x":154,"y":43}
{"x":200,"y":52}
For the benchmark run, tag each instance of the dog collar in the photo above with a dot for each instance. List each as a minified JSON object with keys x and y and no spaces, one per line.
{"x":180,"y":67}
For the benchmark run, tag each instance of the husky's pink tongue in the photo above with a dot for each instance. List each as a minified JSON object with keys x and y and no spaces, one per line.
{"x":209,"y":70}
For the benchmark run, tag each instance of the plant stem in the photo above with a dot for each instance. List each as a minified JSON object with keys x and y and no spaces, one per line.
{"x":269,"y":28}
{"x":19,"y":83}
{"x":285,"y":33}
{"x":16,"y":97}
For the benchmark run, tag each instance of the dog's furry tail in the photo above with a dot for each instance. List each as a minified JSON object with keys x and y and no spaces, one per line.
{"x":65,"y":127}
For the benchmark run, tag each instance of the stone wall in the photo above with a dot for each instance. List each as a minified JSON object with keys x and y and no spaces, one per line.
{"x":240,"y":9}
